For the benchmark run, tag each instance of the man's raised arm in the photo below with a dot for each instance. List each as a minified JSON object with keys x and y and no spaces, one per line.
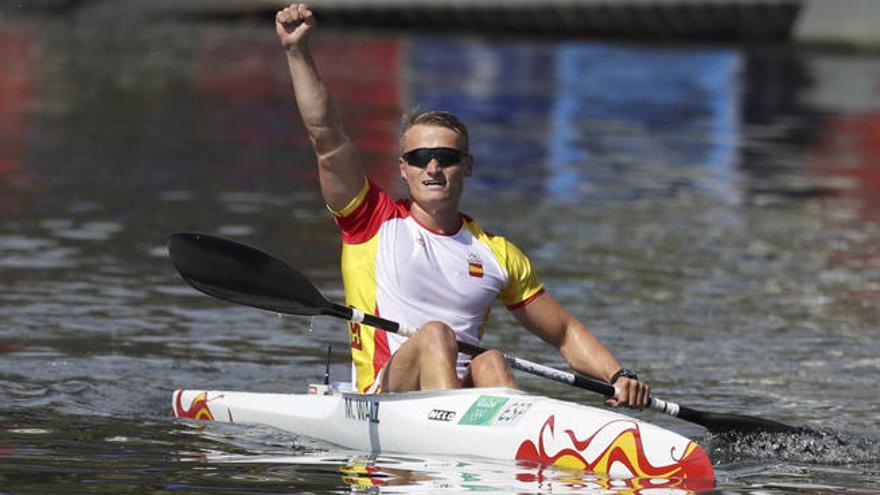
{"x":339,"y":165}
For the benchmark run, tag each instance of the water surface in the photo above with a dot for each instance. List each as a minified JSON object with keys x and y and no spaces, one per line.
{"x":711,"y":212}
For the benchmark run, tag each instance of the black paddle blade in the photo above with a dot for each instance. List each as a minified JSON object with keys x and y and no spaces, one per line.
{"x":242,"y":274}
{"x":735,"y":423}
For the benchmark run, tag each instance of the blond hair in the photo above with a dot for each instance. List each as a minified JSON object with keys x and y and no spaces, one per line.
{"x":433,"y":118}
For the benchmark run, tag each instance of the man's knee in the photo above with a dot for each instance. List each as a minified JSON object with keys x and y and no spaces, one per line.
{"x":492,"y":359}
{"x":437,"y":335}
{"x":490,"y":369}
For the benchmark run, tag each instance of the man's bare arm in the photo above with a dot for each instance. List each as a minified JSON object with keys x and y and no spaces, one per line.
{"x":339,"y":165}
{"x":580,"y":347}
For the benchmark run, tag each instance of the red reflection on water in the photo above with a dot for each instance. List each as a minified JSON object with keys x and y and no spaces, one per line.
{"x":19,"y":51}
{"x":249,"y":77}
{"x":851,"y":151}
{"x":363,"y":76}
{"x":11,"y":346}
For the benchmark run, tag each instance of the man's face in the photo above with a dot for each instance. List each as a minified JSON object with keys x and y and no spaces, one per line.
{"x":437,"y":184}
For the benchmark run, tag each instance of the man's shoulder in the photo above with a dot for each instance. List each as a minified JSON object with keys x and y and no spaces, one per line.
{"x":481,"y":233}
{"x":361,"y":219}
{"x":502,"y":247}
{"x":523,"y":284}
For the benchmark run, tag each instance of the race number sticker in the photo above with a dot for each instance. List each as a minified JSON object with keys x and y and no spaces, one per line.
{"x":488,"y":410}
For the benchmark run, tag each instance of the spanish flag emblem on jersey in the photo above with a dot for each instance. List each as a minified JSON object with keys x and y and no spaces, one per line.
{"x":475,"y":267}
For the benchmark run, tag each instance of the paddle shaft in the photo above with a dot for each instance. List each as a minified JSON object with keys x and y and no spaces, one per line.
{"x":533,"y":368}
{"x":713,"y":421}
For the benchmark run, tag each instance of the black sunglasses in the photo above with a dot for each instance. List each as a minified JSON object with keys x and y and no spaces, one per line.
{"x":421,"y":157}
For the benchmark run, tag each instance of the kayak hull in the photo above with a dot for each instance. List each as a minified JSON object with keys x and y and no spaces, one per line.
{"x":496,"y":423}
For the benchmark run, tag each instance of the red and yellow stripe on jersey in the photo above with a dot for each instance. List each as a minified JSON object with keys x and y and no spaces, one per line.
{"x":395,"y":267}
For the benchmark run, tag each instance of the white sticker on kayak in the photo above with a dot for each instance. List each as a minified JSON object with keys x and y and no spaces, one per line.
{"x":511,"y":413}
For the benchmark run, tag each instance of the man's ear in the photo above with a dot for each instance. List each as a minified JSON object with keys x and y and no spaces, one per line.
{"x":401,"y":165}
{"x":469,"y":166}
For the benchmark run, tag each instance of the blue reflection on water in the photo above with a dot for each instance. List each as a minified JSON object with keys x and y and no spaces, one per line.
{"x":603,"y":114}
{"x":577,"y":117}
{"x":490,"y":86}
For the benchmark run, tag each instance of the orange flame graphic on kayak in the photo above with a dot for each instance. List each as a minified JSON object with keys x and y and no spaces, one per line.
{"x":624,"y":451}
{"x":198,"y":408}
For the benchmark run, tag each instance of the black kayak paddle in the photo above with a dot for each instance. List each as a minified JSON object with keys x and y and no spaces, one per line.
{"x":243,"y":274}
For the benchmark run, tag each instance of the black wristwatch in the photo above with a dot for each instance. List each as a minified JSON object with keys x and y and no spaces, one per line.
{"x":623,"y":372}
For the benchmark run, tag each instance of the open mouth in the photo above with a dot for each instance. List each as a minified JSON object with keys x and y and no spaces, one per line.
{"x":434,"y":183}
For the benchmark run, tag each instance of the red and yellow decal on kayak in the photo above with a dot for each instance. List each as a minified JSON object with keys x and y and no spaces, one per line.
{"x":198,"y":408}
{"x":617,"y":449}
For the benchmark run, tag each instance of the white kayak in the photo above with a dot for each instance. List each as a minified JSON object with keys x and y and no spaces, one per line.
{"x":496,"y":423}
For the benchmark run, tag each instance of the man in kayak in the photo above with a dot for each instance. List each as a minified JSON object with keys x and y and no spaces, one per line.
{"x":421,"y":261}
